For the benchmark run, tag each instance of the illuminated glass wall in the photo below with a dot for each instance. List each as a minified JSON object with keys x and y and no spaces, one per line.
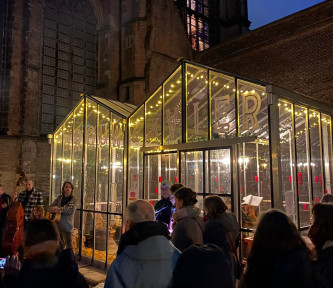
{"x":172,"y":136}
{"x":250,"y":143}
{"x":88,"y":150}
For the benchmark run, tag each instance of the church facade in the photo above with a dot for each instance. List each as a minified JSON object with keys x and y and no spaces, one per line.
{"x":52,"y":51}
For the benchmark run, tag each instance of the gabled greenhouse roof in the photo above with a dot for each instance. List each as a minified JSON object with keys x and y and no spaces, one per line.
{"x":124,"y":109}
{"x":196,"y":103}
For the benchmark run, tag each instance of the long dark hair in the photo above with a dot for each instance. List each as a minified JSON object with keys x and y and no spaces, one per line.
{"x":214,"y":205}
{"x":322,"y":228}
{"x":63,"y":187}
{"x":188,"y":196}
{"x":276,"y":234}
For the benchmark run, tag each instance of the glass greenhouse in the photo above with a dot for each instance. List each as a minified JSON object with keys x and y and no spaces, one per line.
{"x":254,"y":144}
{"x":88,"y":150}
{"x":224,"y":135}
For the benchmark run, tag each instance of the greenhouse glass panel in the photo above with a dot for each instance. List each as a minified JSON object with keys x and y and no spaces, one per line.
{"x":57,"y":165}
{"x":302,"y":165}
{"x":220,"y":171}
{"x":172,"y":109}
{"x":67,"y":146}
{"x":192,"y":170}
{"x":157,"y":169}
{"x":316,"y":163}
{"x":154,"y":119}
{"x":326,"y":124}
{"x":169,"y":167}
{"x":196,"y":104}
{"x":116,"y":165}
{"x":89,"y":192}
{"x":287,"y":155}
{"x":78,"y":150}
{"x":100,"y":236}
{"x":152,"y":192}
{"x":115,"y":226}
{"x":76,"y":237}
{"x":135,"y":161}
{"x":254,"y":180}
{"x":103,"y":150}
{"x":88,"y":234}
{"x":253,"y":110}
{"x":223,"y":112}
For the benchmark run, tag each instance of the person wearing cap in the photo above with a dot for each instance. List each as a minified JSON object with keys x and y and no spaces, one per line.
{"x":163,"y":208}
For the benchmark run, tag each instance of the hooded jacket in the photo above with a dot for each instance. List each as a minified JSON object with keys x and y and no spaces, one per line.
{"x":143,"y":263}
{"x":188,"y":227}
{"x":229,"y":223}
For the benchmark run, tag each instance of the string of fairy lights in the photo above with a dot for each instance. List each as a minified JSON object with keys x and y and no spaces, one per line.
{"x":301,"y":115}
{"x":197,"y":82}
{"x":172,"y":90}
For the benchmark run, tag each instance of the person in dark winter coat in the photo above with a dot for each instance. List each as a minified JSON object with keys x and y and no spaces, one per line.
{"x":278,"y":257}
{"x":321,"y":235}
{"x":42,"y":265}
{"x":217,"y":216}
{"x":188,"y":226}
{"x":163,"y":208}
{"x":201,"y":266}
{"x":222,"y":229}
{"x":146,"y":257}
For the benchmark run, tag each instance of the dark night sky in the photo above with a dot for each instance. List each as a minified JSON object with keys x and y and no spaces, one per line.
{"x":262,"y":12}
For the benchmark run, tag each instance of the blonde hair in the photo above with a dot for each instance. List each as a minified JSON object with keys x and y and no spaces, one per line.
{"x":39,"y":209}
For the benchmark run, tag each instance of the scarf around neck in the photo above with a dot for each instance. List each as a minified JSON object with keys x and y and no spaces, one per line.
{"x":188,"y":211}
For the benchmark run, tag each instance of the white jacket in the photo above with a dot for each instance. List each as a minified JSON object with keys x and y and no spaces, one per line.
{"x":149,"y":264}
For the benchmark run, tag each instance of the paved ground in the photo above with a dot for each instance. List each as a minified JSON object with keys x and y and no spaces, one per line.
{"x":94,"y":276}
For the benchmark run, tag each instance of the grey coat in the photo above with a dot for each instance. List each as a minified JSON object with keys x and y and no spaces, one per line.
{"x":148,"y":264}
{"x":66,"y":223}
{"x":188,"y":227}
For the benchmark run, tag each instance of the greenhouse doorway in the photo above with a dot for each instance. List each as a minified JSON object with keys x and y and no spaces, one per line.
{"x":208,"y":172}
{"x":158,"y":167}
{"x":205,"y":171}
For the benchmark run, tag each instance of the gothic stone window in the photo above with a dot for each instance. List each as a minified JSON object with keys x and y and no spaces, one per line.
{"x":69,"y":58}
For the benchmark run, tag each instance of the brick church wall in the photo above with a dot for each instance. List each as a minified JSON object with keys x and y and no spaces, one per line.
{"x":294,"y":53}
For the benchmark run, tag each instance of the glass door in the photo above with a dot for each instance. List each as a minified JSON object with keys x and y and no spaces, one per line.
{"x":208,"y":172}
{"x":158,"y":167}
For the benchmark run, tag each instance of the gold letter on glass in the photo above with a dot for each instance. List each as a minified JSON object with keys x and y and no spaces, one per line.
{"x":221,"y":115}
{"x":251,"y":107}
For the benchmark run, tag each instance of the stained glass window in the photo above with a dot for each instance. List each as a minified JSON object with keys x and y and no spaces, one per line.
{"x":197,"y":13}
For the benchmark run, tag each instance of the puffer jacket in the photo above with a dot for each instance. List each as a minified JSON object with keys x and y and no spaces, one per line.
{"x":188,"y":227}
{"x":148,"y":264}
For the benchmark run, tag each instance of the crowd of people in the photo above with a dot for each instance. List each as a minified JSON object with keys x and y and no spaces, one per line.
{"x":45,"y":257}
{"x":201,"y":250}
{"x":173,"y":245}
